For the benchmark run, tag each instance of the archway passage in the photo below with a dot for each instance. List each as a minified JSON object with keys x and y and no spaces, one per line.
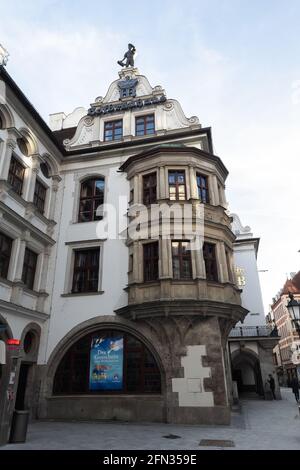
{"x":247,"y":373}
{"x":107,"y":361}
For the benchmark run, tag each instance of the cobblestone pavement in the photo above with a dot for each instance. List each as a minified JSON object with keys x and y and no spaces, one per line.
{"x":260,"y":425}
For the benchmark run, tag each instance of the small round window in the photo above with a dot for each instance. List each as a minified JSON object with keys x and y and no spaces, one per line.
{"x":45,"y":170}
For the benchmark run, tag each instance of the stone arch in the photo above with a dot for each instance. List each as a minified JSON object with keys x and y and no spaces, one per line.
{"x":96,"y":324}
{"x":30,"y":140}
{"x":51,"y":163}
{"x":6,"y":116}
{"x":245,"y":362}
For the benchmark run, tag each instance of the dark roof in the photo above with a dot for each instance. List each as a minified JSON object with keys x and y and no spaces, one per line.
{"x":172,"y":149}
{"x":64,"y":134}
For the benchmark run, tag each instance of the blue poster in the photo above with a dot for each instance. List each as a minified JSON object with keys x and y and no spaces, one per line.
{"x":106,"y":363}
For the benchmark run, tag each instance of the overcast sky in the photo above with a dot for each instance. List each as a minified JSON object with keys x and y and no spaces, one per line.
{"x":233,"y":63}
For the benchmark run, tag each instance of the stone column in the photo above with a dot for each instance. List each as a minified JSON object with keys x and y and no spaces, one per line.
{"x":53,"y":197}
{"x":164,"y":257}
{"x":193,"y":183}
{"x":30,"y":180}
{"x":222,"y":262}
{"x":214,"y":191}
{"x":6,"y":157}
{"x":161,"y":186}
{"x":136,"y":192}
{"x":199,"y":262}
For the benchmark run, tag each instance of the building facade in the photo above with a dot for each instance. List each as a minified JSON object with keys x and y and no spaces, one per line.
{"x":286,"y":351}
{"x":251,"y":342}
{"x":108,"y":309}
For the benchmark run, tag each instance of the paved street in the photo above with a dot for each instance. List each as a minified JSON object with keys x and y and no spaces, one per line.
{"x":261,"y":425}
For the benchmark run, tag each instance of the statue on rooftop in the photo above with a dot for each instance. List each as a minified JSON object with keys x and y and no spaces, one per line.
{"x":128,"y":56}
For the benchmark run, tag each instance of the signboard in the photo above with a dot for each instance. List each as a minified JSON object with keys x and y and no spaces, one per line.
{"x":125,"y":106}
{"x":106,"y":363}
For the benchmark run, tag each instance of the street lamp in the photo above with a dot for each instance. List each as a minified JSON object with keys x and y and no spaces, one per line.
{"x":293,"y":307}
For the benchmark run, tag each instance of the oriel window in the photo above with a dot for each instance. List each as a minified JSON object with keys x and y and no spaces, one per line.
{"x":29,"y":268}
{"x":145,"y":125}
{"x":91,"y":197}
{"x":16,"y":175}
{"x":202,"y":184}
{"x":39,"y":196}
{"x":151,"y":258}
{"x":182,"y":262}
{"x":177,"y":190}
{"x":209,"y":255}
{"x":86,"y":270}
{"x":149,"y":189}
{"x":113,"y":130}
{"x":5,"y":253}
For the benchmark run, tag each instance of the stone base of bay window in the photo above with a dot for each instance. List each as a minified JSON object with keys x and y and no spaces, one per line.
{"x":132,"y":408}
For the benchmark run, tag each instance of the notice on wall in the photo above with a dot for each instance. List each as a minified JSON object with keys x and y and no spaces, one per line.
{"x":106,"y":363}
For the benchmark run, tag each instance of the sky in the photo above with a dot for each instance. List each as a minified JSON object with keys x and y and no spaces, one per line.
{"x":233,"y":63}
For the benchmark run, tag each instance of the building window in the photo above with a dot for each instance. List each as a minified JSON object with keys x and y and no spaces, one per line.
{"x":86,"y":271}
{"x":39,"y":196}
{"x":209,"y":255}
{"x":91,"y":197}
{"x":136,"y":368}
{"x":29,"y":268}
{"x":177,"y":185}
{"x":113,"y":130}
{"x":144,"y":125}
{"x":149,"y":189}
{"x":182,"y":261}
{"x":202,"y":185}
{"x":16,"y":175}
{"x":5,"y":252}
{"x":150,"y":261}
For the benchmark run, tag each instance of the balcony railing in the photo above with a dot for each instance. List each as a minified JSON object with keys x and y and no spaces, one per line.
{"x":262,"y":331}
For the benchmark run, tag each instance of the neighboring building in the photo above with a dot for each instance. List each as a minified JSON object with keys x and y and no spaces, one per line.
{"x":251,"y":342}
{"x":113,"y":327}
{"x":289,"y":343}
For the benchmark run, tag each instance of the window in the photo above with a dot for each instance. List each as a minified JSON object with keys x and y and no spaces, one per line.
{"x":16,"y":175}
{"x":177,"y":185}
{"x":39,"y":196}
{"x":144,"y":125}
{"x":29,"y":268}
{"x":209,"y":255}
{"x":91,"y":197}
{"x":113,"y":130}
{"x":202,"y":185}
{"x":182,"y":262}
{"x":141,"y":373}
{"x":151,"y":261}
{"x":86,"y":271}
{"x":149,"y":189}
{"x":5,"y":252}
{"x":23,"y":146}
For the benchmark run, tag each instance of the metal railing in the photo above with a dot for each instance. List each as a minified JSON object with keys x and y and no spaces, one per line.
{"x":253,"y":331}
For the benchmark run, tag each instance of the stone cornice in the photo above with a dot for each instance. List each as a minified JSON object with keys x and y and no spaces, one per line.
{"x":14,"y":309}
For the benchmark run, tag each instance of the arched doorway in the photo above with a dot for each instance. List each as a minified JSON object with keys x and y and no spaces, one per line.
{"x":247,"y":373}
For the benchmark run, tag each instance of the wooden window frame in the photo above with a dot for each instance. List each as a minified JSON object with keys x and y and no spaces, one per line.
{"x":182,"y":257}
{"x":5,"y":255}
{"x":114,"y":127}
{"x":210,"y":261}
{"x":14,"y":180}
{"x":176,"y":185}
{"x":86,"y":269}
{"x":202,"y":187}
{"x":39,"y":197}
{"x":150,"y":192}
{"x":96,"y":201}
{"x":29,"y":268}
{"x":151,"y":261}
{"x":143,"y":120}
